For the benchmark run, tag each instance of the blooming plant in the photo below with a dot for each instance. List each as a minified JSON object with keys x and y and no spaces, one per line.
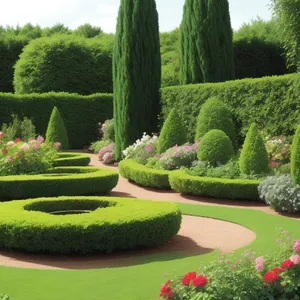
{"x":250,"y":277}
{"x":106,"y":154}
{"x":31,"y":157}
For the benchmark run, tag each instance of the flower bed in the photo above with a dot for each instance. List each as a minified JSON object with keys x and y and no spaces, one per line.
{"x":144,"y":176}
{"x":59,"y":181}
{"x":243,"y":189}
{"x":72,"y":159}
{"x":112,"y":224}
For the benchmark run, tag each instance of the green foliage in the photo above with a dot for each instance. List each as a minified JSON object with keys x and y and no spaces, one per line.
{"x":69,"y":181}
{"x":64,"y":63}
{"x":81,"y":114}
{"x":254,"y":156}
{"x":215,"y":147}
{"x":133,"y":170}
{"x":249,"y":100}
{"x":132,"y":223}
{"x":241,"y":189}
{"x":4,"y":297}
{"x":96,"y":146}
{"x":295,"y":157}
{"x":214,"y":114}
{"x":57,"y":28}
{"x":72,"y":159}
{"x":136,"y":72}
{"x":56,"y":130}
{"x":172,"y":133}
{"x":87,"y":30}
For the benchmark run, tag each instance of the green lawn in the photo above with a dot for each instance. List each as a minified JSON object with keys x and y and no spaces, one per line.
{"x":140,"y":282}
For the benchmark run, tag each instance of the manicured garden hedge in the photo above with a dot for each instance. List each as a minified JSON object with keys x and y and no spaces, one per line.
{"x":67,"y":181}
{"x":240,"y":189}
{"x":132,"y":170}
{"x":113,"y":224}
{"x":81,"y":114}
{"x":270,"y":102}
{"x":72,"y":159}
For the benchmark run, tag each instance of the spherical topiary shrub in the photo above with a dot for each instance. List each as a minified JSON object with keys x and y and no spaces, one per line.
{"x":295,"y":157}
{"x":56,"y":130}
{"x":172,"y":132}
{"x":214,"y":114}
{"x":215,"y":147}
{"x":254,"y":156}
{"x":64,"y":64}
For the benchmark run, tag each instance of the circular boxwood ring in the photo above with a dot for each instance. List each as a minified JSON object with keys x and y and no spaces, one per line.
{"x":113,"y":224}
{"x":67,"y":181}
{"x":132,"y":170}
{"x":241,"y":189}
{"x":72,"y":159}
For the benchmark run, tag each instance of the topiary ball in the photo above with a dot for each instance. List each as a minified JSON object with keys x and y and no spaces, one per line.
{"x":254,"y":156}
{"x":215,"y":147}
{"x":172,"y":133}
{"x":56,"y":130}
{"x":295,"y":157}
{"x":215,"y":114}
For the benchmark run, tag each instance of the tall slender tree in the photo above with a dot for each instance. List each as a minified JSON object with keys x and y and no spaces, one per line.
{"x":136,"y":72}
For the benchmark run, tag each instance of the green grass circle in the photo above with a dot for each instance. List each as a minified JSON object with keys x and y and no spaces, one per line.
{"x":72,"y":159}
{"x":113,"y":224}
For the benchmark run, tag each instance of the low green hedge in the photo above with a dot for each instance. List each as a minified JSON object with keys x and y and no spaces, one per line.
{"x":240,"y":189}
{"x":132,"y":170}
{"x":72,"y":159}
{"x":113,"y":224}
{"x":68,"y":181}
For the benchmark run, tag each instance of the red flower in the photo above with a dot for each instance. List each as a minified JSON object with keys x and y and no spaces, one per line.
{"x":287,"y":264}
{"x":277,"y":270}
{"x":4,"y":151}
{"x":271,"y":276}
{"x":166,"y":291}
{"x":186,"y":279}
{"x":199,"y":281}
{"x":17,"y":140}
{"x":273,"y":164}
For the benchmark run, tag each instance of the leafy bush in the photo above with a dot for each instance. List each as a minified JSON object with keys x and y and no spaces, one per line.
{"x":96,"y":146}
{"x":215,"y":147}
{"x":254,"y":156}
{"x":172,"y":133}
{"x":133,"y":223}
{"x":4,"y":297}
{"x":214,"y":114}
{"x":64,"y":63}
{"x":71,"y":159}
{"x":56,"y":130}
{"x":295,"y":157}
{"x":280,"y":193}
{"x":107,"y":130}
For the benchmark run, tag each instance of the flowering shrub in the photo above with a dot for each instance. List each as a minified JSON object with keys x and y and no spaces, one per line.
{"x":106,"y":154}
{"x":143,"y":148}
{"x":18,"y":157}
{"x":250,"y":277}
{"x":280,"y":193}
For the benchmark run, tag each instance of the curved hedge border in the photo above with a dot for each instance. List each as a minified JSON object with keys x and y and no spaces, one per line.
{"x":67,"y":181}
{"x":72,"y":159}
{"x":114,"y":224}
{"x":132,"y":170}
{"x":241,"y":189}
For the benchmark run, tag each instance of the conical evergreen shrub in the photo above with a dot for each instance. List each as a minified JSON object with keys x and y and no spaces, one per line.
{"x":254,"y":156}
{"x":295,"y":157}
{"x":172,"y":132}
{"x":56,"y":130}
{"x":215,"y":147}
{"x":214,"y":114}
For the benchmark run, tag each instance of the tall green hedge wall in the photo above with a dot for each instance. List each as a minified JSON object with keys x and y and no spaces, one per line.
{"x":273,"y":103}
{"x":81,"y":114}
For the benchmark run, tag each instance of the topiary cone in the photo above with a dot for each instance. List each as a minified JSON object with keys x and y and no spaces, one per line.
{"x":295,"y":157}
{"x":172,"y":133}
{"x":56,"y":130}
{"x":254,"y":156}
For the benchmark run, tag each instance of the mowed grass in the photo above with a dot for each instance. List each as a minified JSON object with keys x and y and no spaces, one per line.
{"x":142,"y":281}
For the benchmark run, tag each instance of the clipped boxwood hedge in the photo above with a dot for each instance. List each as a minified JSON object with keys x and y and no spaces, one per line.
{"x":132,"y":170}
{"x":72,"y":159}
{"x":67,"y":181}
{"x":113,"y":224}
{"x":240,"y":189}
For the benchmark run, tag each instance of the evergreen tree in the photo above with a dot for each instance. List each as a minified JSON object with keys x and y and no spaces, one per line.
{"x":136,"y":72}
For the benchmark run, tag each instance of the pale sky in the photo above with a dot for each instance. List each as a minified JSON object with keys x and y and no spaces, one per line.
{"x":103,"y":13}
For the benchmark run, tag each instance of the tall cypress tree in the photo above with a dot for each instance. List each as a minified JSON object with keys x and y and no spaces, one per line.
{"x":206,"y":53}
{"x":136,"y":72}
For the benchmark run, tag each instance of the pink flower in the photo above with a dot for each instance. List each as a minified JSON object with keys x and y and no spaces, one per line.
{"x":107,"y":157}
{"x":273,"y":164}
{"x":57,"y":145}
{"x":148,"y":148}
{"x":11,"y":144}
{"x":1,"y":135}
{"x":11,"y":159}
{"x":31,"y":141}
{"x":259,"y":267}
{"x":36,"y":146}
{"x":40,"y":139}
{"x":259,"y":260}
{"x":19,"y":154}
{"x":105,"y":149}
{"x":295,"y":259}
{"x":297,"y":245}
{"x":25,"y":147}
{"x":4,"y":151}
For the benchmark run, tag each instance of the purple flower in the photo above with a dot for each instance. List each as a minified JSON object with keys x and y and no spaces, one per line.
{"x":148,"y":148}
{"x":40,"y":139}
